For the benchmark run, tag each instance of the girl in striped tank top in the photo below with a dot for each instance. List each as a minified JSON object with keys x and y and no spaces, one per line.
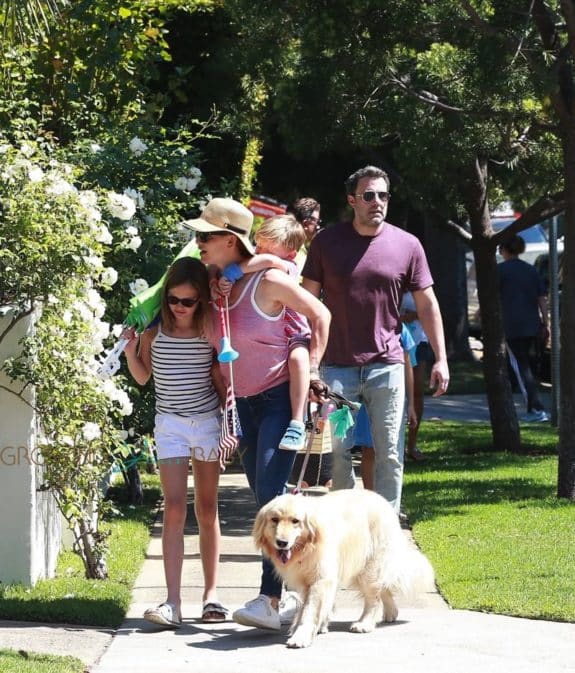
{"x":189,"y":392}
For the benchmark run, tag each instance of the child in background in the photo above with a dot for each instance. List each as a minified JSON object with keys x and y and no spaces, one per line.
{"x":362,"y":430}
{"x":277,"y":243}
{"x":425,"y":358}
{"x":189,"y":394}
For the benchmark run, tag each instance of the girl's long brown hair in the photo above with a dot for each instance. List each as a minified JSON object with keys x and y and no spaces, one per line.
{"x":192,"y":271}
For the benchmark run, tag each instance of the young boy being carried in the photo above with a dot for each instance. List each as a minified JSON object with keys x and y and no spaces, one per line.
{"x":278,"y":241}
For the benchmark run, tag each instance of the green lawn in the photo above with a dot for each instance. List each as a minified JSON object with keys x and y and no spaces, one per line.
{"x":490,"y":523}
{"x":466,"y":378}
{"x":71,"y":598}
{"x":14,"y":662}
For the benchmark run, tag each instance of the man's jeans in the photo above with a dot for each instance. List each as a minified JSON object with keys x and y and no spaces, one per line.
{"x":381,"y":388}
{"x":264,"y":419}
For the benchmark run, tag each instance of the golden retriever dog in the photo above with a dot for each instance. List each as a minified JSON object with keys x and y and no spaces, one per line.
{"x":348,"y":538}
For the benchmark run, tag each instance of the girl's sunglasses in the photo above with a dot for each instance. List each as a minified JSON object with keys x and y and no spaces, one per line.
{"x":205,"y":236}
{"x":188,"y":302}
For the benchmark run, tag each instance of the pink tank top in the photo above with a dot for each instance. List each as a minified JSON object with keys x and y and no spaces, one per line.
{"x":260,"y":339}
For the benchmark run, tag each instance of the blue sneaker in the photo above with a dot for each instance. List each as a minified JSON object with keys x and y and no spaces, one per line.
{"x":294,"y":437}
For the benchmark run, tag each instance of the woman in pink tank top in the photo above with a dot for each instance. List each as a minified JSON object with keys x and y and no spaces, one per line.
{"x":257,"y":304}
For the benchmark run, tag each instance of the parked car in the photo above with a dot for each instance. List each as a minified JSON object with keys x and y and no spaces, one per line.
{"x":535,"y":237}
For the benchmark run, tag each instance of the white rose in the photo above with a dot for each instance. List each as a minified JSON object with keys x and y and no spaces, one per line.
{"x":132,"y":231}
{"x":109,"y":276}
{"x":195,"y":172}
{"x":27,"y":150}
{"x":137,"y":146}
{"x":138,"y":285}
{"x":59,"y":186}
{"x":136,"y":197}
{"x":121,"y":206}
{"x":91,"y":431}
{"x":180,"y":184}
{"x":88,"y":198}
{"x":103,"y":235}
{"x":94,"y":261}
{"x":93,"y":214}
{"x":134,"y":243}
{"x":95,"y":302}
{"x":126,"y":406}
{"x":35,"y":174}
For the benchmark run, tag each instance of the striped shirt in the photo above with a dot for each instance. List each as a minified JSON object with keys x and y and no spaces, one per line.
{"x":182,"y":376}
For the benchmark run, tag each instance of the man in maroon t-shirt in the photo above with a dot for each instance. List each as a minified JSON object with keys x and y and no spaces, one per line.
{"x":361,"y":270}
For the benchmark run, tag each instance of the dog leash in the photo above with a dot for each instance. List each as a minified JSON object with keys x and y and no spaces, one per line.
{"x":312,"y":425}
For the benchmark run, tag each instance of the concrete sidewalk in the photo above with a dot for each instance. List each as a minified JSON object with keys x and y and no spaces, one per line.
{"x":428,"y":637}
{"x":471,"y":408}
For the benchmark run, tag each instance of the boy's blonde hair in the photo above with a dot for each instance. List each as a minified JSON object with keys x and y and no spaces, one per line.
{"x":282,"y":230}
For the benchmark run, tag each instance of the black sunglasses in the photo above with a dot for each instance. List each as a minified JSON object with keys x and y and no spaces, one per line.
{"x":205,"y":236}
{"x":369,"y":195}
{"x":188,"y":302}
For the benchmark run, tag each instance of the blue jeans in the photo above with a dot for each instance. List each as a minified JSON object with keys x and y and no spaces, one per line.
{"x":381,"y":388}
{"x":264,"y":419}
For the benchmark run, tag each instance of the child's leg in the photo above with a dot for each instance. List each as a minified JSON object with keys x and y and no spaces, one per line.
{"x":298,"y":367}
{"x":206,"y":478}
{"x":174,"y":479}
{"x":367,"y":467}
{"x":419,"y":378}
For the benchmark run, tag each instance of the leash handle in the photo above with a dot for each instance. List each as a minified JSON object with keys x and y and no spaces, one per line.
{"x":315,"y":416}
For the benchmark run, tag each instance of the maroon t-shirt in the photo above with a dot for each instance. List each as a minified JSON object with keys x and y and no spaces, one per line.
{"x":363,"y":279}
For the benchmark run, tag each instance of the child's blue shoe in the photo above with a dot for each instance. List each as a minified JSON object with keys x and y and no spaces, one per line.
{"x":294,"y":437}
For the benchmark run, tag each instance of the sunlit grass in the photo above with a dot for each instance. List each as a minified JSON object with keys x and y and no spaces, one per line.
{"x":490,"y":522}
{"x":71,"y":598}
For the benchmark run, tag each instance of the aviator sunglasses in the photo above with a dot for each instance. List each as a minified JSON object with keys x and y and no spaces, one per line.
{"x":369,"y":195}
{"x":205,"y":236}
{"x":187,"y":302}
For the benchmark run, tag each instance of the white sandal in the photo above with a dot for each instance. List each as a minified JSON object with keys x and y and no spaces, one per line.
{"x":164,"y":615}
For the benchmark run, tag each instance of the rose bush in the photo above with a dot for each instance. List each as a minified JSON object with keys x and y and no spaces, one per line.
{"x":80,"y":231}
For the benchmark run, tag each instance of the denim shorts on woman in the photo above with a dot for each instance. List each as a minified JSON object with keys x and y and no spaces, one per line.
{"x":185,"y":437}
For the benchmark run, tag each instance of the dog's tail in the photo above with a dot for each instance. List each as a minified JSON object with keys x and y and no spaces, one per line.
{"x":406,"y":570}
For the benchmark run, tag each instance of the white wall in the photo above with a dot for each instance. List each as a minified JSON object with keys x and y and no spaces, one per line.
{"x":30,"y":524}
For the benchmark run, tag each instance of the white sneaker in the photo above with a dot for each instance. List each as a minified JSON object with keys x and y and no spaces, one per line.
{"x":258,"y":613}
{"x":539,"y":416}
{"x":289,"y":605}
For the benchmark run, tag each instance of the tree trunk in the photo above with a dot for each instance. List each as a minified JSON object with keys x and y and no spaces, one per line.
{"x":566,"y":467}
{"x":446,"y":256}
{"x":504,"y":424}
{"x":502,"y":412}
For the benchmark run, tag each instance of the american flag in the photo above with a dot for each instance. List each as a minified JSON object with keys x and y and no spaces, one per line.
{"x":231,"y":429}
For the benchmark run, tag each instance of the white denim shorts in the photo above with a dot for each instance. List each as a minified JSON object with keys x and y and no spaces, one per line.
{"x":184,"y":437}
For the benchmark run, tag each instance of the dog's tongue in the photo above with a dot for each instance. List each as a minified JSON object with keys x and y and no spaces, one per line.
{"x":284,"y":555}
